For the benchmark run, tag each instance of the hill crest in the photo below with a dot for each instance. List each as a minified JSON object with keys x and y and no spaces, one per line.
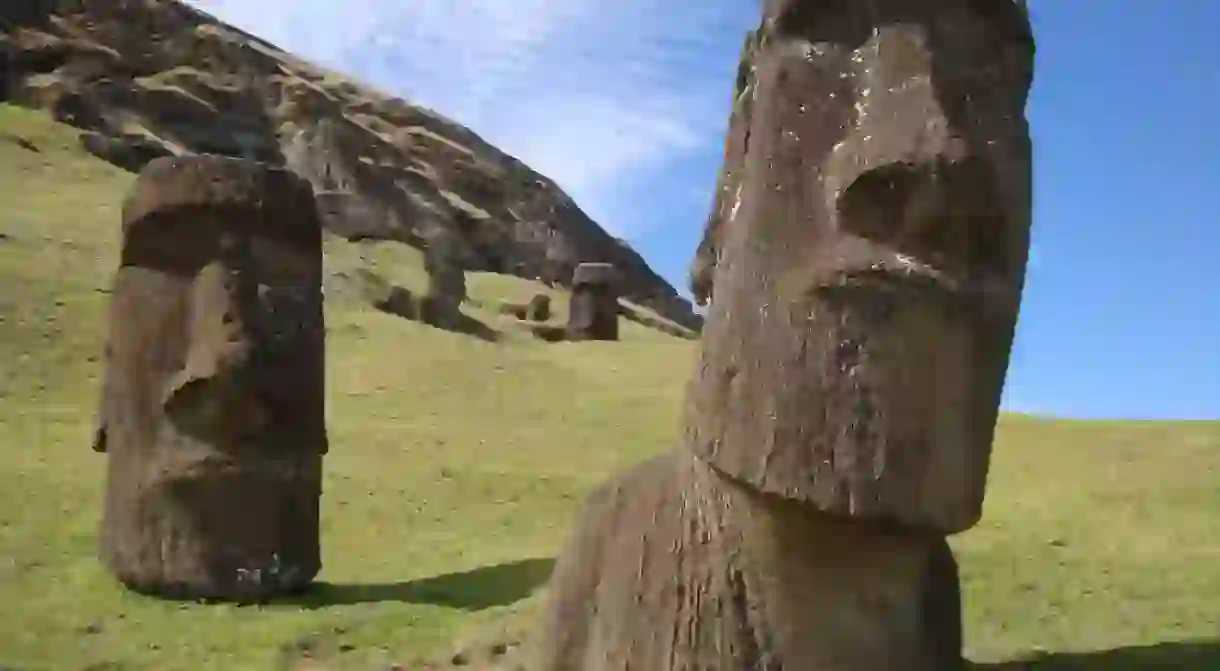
{"x":148,"y":78}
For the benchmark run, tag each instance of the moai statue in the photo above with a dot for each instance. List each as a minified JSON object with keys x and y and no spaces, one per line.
{"x":212,"y":413}
{"x":539,"y":308}
{"x":840,"y":419}
{"x":446,"y":280}
{"x":728,"y":182}
{"x":593,"y":310}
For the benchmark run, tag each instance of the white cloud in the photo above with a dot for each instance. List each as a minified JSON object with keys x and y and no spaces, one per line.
{"x":599,"y":95}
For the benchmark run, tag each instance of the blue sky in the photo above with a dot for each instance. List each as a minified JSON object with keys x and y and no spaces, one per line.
{"x":624,"y":103}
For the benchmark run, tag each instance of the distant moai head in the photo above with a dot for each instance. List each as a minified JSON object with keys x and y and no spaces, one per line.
{"x":871,"y":267}
{"x":593,"y":310}
{"x":212,"y":410}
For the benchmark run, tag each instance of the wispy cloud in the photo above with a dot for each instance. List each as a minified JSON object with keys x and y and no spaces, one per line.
{"x":601,"y":95}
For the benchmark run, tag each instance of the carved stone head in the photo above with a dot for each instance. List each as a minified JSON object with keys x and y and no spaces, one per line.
{"x":870,"y":271}
{"x":216,"y":324}
{"x":593,"y":309}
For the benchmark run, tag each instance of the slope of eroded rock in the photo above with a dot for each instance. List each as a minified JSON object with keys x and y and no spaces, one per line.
{"x":148,"y":78}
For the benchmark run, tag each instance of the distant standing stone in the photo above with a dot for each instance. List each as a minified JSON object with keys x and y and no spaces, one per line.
{"x":593,"y":312}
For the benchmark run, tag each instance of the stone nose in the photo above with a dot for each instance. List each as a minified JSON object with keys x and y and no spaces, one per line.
{"x":907,"y":181}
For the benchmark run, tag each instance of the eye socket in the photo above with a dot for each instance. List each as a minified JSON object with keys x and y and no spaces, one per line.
{"x":964,"y":242}
{"x":874,"y":204}
{"x":945,"y":215}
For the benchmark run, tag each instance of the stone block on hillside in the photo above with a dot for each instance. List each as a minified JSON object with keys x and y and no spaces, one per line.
{"x":212,"y":410}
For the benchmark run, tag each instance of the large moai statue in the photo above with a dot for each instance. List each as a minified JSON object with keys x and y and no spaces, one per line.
{"x":840,"y":420}
{"x":593,"y":310}
{"x":212,"y":413}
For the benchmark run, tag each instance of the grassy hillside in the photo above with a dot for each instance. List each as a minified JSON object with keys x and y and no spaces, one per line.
{"x":456,"y":464}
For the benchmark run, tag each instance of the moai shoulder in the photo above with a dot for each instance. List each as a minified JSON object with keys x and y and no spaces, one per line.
{"x":213,"y":415}
{"x":672,"y":566}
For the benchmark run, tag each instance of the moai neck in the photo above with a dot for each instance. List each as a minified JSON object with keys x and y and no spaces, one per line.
{"x":870,"y":276}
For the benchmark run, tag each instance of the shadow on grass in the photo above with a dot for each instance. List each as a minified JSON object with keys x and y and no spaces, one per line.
{"x":1188,"y":656}
{"x":486,"y":587}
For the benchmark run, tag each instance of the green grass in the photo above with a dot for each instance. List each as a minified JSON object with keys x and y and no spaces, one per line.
{"x":457,"y":463}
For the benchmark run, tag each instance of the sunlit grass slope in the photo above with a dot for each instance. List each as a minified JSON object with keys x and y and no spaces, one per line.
{"x":457,"y":463}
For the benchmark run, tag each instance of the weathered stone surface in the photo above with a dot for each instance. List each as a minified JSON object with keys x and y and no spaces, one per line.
{"x":728,"y":182}
{"x":673,"y":566}
{"x":130,"y":153}
{"x":150,"y":75}
{"x":869,"y":281}
{"x":539,"y":308}
{"x":593,"y":311}
{"x":446,"y":281}
{"x":212,"y":413}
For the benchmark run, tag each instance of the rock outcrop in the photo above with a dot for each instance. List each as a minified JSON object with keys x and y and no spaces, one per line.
{"x":839,"y":423}
{"x":212,"y":413}
{"x":149,"y":78}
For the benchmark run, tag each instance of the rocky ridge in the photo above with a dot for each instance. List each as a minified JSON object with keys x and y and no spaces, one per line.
{"x":149,"y":78}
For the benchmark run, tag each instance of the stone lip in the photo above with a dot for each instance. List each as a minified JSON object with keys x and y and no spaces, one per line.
{"x":164,"y":79}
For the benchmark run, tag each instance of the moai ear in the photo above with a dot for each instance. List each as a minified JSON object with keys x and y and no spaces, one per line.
{"x":209,"y":393}
{"x":99,"y":430}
